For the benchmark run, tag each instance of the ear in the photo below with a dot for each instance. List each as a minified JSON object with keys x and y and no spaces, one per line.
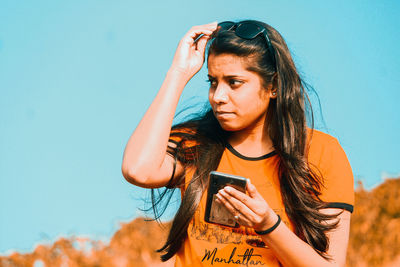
{"x":270,"y":91}
{"x":273,"y":89}
{"x":273,"y":92}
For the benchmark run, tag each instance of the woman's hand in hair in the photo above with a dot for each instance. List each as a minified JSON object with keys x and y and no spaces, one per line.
{"x":189,"y":56}
{"x":252,"y":209}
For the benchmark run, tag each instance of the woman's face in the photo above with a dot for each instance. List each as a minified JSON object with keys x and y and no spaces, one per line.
{"x":236,"y":95}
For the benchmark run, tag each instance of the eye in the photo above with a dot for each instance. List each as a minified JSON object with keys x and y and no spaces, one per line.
{"x":212,"y":82}
{"x":235,"y":83}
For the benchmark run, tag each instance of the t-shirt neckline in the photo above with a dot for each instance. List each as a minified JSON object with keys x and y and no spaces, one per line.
{"x":236,"y":153}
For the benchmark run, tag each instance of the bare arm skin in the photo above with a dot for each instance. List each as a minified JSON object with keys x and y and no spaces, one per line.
{"x":145,"y":162}
{"x":254,"y":212}
{"x":292,"y":251}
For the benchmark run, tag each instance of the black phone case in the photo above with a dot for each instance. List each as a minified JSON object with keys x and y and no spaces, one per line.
{"x":217,"y":213}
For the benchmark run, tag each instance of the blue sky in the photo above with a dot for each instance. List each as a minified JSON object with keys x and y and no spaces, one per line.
{"x":76,"y":77}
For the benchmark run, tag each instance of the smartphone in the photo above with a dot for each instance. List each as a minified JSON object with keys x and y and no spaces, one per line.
{"x":216,"y":212}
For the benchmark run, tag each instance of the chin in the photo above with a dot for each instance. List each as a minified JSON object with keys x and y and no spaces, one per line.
{"x":229,"y":127}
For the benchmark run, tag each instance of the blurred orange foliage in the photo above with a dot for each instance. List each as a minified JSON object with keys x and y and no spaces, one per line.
{"x":374,"y":239}
{"x":375,"y":226}
{"x":133,"y":245}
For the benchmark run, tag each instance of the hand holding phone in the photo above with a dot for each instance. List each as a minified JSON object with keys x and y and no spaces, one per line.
{"x":215,"y":211}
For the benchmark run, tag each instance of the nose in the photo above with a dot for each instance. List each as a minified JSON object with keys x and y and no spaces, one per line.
{"x":220,"y":94}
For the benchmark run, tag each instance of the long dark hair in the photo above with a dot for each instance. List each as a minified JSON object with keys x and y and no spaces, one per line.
{"x":300,"y":183}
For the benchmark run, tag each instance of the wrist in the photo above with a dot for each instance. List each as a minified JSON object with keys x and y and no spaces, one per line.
{"x":179,"y":74}
{"x":270,"y":220}
{"x":174,"y":82}
{"x":271,"y":228}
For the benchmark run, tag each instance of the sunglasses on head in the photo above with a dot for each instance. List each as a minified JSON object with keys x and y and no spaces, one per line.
{"x":247,"y":30}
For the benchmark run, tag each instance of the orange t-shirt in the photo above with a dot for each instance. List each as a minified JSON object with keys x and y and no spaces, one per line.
{"x":210,"y":244}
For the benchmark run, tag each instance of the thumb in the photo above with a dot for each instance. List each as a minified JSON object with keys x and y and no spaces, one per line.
{"x":251,"y":189}
{"x":201,"y":44}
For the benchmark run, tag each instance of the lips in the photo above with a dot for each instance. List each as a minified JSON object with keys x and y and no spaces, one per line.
{"x":224,"y":114}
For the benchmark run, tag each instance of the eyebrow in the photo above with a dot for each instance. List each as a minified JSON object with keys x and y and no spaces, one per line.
{"x":228,"y":76}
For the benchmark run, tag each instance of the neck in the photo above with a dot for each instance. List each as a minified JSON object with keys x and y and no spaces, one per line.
{"x":251,"y":142}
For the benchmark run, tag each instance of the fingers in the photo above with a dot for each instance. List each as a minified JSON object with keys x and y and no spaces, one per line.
{"x":252,"y":209}
{"x":242,"y":197}
{"x":238,"y":202}
{"x":235,"y":208}
{"x":206,"y":29}
{"x":201,"y":44}
{"x":189,"y":55}
{"x":254,"y":202}
{"x":251,"y":189}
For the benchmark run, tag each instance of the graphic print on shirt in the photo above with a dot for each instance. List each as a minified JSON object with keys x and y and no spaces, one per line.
{"x":247,"y":258}
{"x":214,"y":233}
{"x":214,"y":245}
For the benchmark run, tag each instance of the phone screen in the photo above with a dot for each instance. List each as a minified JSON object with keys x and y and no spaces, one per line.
{"x":216,"y":212}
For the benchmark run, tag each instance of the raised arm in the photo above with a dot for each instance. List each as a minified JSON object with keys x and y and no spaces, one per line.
{"x":145,"y":162}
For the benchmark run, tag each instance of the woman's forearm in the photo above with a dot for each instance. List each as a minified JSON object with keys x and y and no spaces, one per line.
{"x":145,"y":150}
{"x":252,"y":210}
{"x":292,"y":251}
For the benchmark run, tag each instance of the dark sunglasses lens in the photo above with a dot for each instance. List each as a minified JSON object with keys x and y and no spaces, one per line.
{"x":226,"y":25}
{"x":248,"y":30}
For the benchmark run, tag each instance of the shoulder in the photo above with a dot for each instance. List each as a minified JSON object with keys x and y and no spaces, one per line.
{"x":317,"y":139}
{"x":325,"y":151}
{"x":328,"y":157}
{"x":323,"y":147}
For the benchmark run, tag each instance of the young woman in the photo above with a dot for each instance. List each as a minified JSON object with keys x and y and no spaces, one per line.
{"x":299,"y":196}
